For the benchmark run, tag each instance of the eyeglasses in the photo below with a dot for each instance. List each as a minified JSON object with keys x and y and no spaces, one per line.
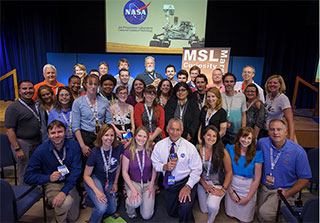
{"x":182,"y":90}
{"x":122,"y":93}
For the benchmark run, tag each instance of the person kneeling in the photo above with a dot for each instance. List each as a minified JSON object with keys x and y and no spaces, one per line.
{"x":139,"y":175}
{"x":102,"y":172}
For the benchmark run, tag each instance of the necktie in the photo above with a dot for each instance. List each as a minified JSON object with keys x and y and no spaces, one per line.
{"x":168,"y":173}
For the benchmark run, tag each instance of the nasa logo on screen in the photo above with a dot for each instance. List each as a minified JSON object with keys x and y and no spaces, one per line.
{"x":135,"y":11}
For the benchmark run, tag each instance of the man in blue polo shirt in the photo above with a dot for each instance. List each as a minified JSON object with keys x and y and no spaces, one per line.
{"x":285,"y":168}
{"x":56,"y":164}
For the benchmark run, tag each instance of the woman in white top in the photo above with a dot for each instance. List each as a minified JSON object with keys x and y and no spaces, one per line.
{"x":122,"y":115}
{"x":277,"y":104}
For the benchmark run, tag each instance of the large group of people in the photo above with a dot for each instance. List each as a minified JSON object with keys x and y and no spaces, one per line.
{"x":103,"y":134}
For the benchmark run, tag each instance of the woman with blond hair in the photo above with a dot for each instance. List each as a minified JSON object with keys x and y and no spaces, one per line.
{"x":240,"y":200}
{"x":277,"y":104}
{"x":102,"y":172}
{"x":80,"y":70}
{"x":139,"y":175}
{"x":213,"y":113}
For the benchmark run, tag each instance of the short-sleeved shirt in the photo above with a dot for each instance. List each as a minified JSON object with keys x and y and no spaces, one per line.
{"x":234,"y":106}
{"x":95,"y":160}
{"x":240,"y":169}
{"x":275,"y":107}
{"x":22,"y":120}
{"x":134,"y":170}
{"x":219,"y":117}
{"x":292,"y":165}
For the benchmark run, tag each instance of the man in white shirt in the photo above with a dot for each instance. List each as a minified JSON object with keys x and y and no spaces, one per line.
{"x":248,"y":73}
{"x":181,"y":166}
{"x":123,"y":64}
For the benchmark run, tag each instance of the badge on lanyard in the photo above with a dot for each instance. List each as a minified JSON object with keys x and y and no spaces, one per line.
{"x":270,"y":180}
{"x":228,"y":124}
{"x":106,"y":187}
{"x":171,"y":180}
{"x":63,"y":170}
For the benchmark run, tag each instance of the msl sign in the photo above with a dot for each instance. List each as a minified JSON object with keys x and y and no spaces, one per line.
{"x":207,"y":59}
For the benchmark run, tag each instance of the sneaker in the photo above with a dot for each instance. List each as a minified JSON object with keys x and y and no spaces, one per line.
{"x":132,"y":215}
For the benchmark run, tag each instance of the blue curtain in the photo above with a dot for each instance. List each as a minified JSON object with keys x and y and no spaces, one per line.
{"x":28,"y":32}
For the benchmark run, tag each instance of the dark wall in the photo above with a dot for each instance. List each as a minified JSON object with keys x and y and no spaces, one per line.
{"x":285,"y":33}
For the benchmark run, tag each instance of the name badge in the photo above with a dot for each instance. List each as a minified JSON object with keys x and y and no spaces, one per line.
{"x":171,"y":180}
{"x":270,"y":180}
{"x":228,"y":124}
{"x":63,"y":170}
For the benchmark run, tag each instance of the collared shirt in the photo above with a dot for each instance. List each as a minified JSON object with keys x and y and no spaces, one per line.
{"x":292,"y":165}
{"x":55,"y":115}
{"x":129,"y":86}
{"x":43,"y":163}
{"x":83,"y":118}
{"x":221,"y":88}
{"x":239,"y":88}
{"x":189,"y":161}
{"x":149,"y":78}
{"x":54,"y":88}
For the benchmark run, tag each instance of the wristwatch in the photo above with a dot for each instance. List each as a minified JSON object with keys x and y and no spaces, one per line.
{"x":17,"y":149}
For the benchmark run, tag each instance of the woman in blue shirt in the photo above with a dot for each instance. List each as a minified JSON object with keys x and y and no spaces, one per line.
{"x":247,"y":162}
{"x":62,"y":109}
{"x":102,"y":172}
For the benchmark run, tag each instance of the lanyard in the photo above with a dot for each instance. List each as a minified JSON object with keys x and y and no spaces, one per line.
{"x":203,"y":160}
{"x":208,"y":118}
{"x":57,"y":156}
{"x":122,"y":117}
{"x":65,"y":118}
{"x":152,"y":76}
{"x":106,"y":165}
{"x":201,"y":104}
{"x":93,"y":108}
{"x":141,"y":167}
{"x":182,"y":108}
{"x":29,"y":108}
{"x":228,"y":105}
{"x":149,"y":114}
{"x":112,"y":98}
{"x":274,"y":162}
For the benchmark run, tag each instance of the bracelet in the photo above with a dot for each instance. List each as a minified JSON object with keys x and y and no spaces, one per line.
{"x":187,"y":186}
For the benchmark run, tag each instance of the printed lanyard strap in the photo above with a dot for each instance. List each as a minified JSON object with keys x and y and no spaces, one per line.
{"x":182,"y":108}
{"x":65,"y":118}
{"x":93,"y":108}
{"x":203,"y":160}
{"x":106,"y":167}
{"x":57,"y":156}
{"x":149,"y":114}
{"x":29,"y":108}
{"x":274,"y":162}
{"x":228,"y":105}
{"x":141,"y":167}
{"x":152,"y":76}
{"x":208,"y":118}
{"x":201,"y":104}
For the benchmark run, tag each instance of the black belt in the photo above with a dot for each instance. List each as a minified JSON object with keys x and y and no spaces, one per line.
{"x":144,"y":181}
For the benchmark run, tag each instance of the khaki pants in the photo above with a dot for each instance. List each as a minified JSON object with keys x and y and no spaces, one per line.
{"x":268,"y":203}
{"x":70,"y":207}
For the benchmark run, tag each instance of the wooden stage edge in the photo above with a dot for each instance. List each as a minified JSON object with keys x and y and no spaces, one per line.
{"x":306,"y":129}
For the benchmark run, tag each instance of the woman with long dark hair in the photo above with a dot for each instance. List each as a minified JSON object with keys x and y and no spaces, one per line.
{"x":247,"y":162}
{"x":184,"y":107}
{"x":62,"y":110}
{"x":217,"y":172}
{"x":164,"y":92}
{"x":136,"y":92}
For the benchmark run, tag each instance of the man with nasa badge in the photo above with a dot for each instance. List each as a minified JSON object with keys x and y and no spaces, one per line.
{"x":181,"y":166}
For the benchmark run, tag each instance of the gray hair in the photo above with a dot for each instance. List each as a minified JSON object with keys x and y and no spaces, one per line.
{"x":47,"y":66}
{"x":149,"y":57}
{"x":278,"y":120}
{"x":252,"y":67}
{"x":176,"y":120}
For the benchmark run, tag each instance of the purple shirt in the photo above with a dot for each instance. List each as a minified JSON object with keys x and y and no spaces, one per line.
{"x":134,"y":171}
{"x":131,"y":100}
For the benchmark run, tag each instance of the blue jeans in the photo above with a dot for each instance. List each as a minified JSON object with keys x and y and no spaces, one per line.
{"x":100,"y":208}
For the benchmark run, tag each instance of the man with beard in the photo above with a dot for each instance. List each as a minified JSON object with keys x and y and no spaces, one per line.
{"x":149,"y":76}
{"x":22,"y":122}
{"x":201,"y":82}
{"x":170,"y":73}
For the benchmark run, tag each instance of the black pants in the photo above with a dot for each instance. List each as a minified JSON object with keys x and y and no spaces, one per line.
{"x":177,"y":209}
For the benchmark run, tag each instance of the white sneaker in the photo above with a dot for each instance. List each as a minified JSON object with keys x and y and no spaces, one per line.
{"x":132,"y":215}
